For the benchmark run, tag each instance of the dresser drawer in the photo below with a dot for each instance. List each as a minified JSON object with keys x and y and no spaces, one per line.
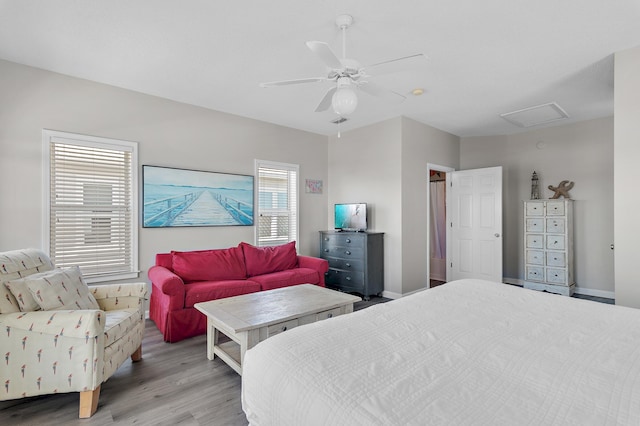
{"x":281,"y":327}
{"x":556,"y":276}
{"x":535,"y":273}
{"x":343,"y":240}
{"x":346,"y":264}
{"x":556,"y":258}
{"x":345,"y":278}
{"x":534,"y":209}
{"x":555,"y":242}
{"x":535,"y":225}
{"x":535,"y":257}
{"x":556,"y":225}
{"x":535,"y":241}
{"x":555,"y":208}
{"x":343,"y":252}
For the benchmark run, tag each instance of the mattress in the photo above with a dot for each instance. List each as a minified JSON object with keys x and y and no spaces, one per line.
{"x":469,"y":352}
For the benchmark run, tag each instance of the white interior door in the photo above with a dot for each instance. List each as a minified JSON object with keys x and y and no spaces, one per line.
{"x":474,"y":219}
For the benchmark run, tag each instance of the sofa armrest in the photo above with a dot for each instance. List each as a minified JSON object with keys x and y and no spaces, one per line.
{"x":83,"y":324}
{"x":320,"y":265}
{"x":166,"y":281}
{"x":120,"y":296}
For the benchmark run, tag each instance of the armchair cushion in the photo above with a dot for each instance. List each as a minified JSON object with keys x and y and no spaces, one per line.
{"x":17,"y":264}
{"x":61,"y":289}
{"x":265,"y":260}
{"x":23,"y":296}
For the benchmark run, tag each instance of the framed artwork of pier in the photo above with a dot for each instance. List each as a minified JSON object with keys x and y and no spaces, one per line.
{"x":179,"y":197}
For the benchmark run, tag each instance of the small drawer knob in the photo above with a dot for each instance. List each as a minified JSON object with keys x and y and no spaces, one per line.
{"x":326,"y":250}
{"x":348,"y":240}
{"x":347,"y":252}
{"x":348,"y":278}
{"x":330,"y":316}
{"x":284,"y":328}
{"x":348,"y":265}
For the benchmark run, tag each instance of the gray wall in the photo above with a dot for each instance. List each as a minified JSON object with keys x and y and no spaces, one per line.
{"x":421,"y":145}
{"x":364,"y":166}
{"x":385,"y":165}
{"x":581,"y":152}
{"x":169,"y":134}
{"x":627,"y":176}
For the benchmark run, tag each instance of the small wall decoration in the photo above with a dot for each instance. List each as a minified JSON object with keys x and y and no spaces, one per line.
{"x":313,"y":186}
{"x":562,"y":189}
{"x":179,"y":197}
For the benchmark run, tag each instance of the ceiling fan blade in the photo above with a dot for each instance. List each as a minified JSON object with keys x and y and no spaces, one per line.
{"x":326,"y":55}
{"x":395,"y":65}
{"x":298,"y":81}
{"x":380,"y":92}
{"x":325,"y":103}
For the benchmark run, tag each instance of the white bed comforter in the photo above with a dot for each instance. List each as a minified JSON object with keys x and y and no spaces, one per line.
{"x":466,"y":353}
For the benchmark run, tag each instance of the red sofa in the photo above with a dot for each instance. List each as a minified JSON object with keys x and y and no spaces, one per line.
{"x":181,"y":279}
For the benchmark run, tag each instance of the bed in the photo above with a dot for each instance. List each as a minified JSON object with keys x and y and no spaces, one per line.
{"x":469,"y":352}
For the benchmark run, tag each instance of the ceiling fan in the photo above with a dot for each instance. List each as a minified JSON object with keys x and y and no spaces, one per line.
{"x":347,"y":74}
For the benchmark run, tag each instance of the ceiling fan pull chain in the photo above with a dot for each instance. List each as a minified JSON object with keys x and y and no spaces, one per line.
{"x":344,"y":42}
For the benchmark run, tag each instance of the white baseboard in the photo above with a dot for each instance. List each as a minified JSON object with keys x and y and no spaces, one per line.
{"x":580,"y":290}
{"x":596,"y":293}
{"x":391,"y":295}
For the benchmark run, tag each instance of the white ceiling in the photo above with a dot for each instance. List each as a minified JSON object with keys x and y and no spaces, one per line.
{"x":485,"y":57}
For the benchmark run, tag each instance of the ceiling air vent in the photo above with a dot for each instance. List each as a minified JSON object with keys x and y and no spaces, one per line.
{"x":536,"y":115}
{"x":339,"y":120}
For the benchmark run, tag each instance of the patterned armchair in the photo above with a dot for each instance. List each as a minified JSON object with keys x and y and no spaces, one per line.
{"x":57,"y":351}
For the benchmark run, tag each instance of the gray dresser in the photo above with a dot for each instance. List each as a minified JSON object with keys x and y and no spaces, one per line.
{"x":355,"y":261}
{"x":548,"y":246}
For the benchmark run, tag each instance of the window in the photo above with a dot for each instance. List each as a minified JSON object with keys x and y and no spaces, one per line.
{"x":277,"y":203}
{"x":91,"y":218}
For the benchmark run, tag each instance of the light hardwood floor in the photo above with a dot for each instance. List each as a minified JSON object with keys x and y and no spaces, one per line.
{"x":174,"y":384}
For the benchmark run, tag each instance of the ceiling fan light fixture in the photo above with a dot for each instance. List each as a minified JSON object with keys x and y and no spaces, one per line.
{"x":344,"y":101}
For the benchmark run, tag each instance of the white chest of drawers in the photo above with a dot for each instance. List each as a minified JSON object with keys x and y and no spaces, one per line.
{"x":548,"y":246}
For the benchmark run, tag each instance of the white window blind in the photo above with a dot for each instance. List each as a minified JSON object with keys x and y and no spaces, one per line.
{"x":91,"y":212}
{"x":277,"y":203}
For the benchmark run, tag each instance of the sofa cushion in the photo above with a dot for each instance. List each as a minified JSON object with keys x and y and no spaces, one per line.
{"x":265,"y":260}
{"x":287,"y":278}
{"x":203,"y":291}
{"x":22,"y":294}
{"x":209,"y":265}
{"x":61,"y":289}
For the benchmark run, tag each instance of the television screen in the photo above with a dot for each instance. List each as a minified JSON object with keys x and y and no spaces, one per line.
{"x":351,"y":217}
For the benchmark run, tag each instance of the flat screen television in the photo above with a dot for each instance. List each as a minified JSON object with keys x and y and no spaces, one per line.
{"x":350,"y":217}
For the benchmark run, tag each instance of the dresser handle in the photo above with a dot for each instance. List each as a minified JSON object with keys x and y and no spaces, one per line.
{"x":330,"y":316}
{"x":326,"y":250}
{"x":284,"y":328}
{"x":347,"y":252}
{"x":348,"y":278}
{"x":348,"y":265}
{"x":348,"y":240}
{"x":326,"y":239}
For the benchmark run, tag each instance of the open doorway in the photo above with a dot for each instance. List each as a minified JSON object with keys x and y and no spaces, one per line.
{"x":437,"y":245}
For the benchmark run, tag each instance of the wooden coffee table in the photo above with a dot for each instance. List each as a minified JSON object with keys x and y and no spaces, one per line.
{"x":251,"y":318}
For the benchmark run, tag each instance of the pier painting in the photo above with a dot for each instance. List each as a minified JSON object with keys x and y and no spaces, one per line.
{"x":179,"y":197}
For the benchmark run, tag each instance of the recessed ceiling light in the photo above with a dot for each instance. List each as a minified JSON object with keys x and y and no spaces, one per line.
{"x":417,"y":91}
